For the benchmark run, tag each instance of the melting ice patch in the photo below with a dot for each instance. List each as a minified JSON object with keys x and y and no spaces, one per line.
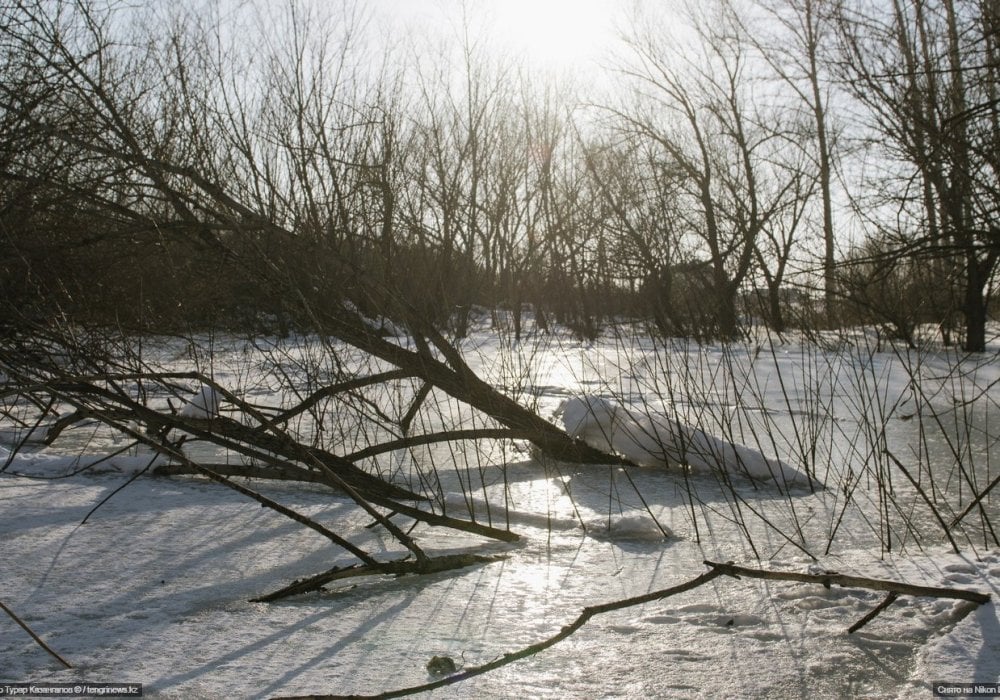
{"x":650,"y":439}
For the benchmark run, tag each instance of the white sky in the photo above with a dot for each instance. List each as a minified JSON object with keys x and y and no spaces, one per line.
{"x":557,"y":35}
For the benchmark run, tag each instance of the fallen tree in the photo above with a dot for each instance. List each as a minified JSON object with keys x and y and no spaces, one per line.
{"x":153,"y":140}
{"x":108,"y":399}
{"x":197,"y":194}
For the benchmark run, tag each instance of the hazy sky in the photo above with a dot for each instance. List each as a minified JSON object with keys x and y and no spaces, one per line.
{"x":547,"y":34}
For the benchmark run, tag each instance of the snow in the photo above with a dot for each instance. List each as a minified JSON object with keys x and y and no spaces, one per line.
{"x":57,"y":466}
{"x":155,"y":587}
{"x":970,"y":650}
{"x":30,"y":435}
{"x":203,"y":404}
{"x":658,"y":440}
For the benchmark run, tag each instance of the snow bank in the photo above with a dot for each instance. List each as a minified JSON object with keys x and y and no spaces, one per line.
{"x":659,"y":440}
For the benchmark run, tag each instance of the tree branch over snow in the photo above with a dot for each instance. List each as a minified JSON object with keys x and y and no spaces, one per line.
{"x":34,"y":636}
{"x":399,"y":567}
{"x":831,"y":578}
{"x":716,"y":570}
{"x":107,"y":401}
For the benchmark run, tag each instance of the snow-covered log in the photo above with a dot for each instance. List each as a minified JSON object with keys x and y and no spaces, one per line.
{"x":650,"y":439}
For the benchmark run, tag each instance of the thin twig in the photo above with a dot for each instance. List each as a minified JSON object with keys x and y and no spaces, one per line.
{"x":128,"y":481}
{"x":926,"y":499}
{"x":975,"y":502}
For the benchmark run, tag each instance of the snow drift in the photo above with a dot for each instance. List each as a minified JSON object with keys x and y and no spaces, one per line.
{"x":652,"y":440}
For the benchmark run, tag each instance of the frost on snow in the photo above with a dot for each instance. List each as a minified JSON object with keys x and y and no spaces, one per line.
{"x":649,"y":439}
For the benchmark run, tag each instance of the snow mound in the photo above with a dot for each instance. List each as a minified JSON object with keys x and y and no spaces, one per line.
{"x":659,"y":440}
{"x":203,"y":404}
{"x":635,"y":528}
{"x":592,"y":419}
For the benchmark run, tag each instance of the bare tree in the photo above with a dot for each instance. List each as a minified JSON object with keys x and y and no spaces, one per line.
{"x":778,"y":240}
{"x":794,"y":38}
{"x":641,"y":195}
{"x":721,"y":140}
{"x":924,"y":71}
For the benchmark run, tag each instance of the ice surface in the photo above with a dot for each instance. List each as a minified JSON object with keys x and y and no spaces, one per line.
{"x":154,"y":589}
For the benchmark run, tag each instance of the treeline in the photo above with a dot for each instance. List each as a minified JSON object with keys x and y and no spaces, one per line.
{"x":790,"y":162}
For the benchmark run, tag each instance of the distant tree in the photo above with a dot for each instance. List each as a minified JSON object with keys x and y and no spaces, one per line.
{"x":724,"y":142}
{"x":641,"y":195}
{"x":538,"y":165}
{"x":893,"y":292}
{"x":926,"y":73}
{"x":795,"y":38}
{"x":777,"y":241}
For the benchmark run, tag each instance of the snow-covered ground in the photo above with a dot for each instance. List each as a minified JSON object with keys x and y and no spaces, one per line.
{"x":154,"y":587}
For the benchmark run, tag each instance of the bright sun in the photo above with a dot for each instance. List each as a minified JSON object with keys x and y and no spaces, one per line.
{"x":556,"y":34}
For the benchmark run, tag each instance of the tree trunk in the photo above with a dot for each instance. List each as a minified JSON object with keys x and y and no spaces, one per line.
{"x":726,"y":314}
{"x":975,"y":306}
{"x":776,"y":318}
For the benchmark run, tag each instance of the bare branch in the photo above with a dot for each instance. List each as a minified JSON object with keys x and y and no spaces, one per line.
{"x":716,"y":570}
{"x":34,"y":636}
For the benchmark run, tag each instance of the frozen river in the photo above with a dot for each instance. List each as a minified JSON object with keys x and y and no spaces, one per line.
{"x":154,"y":588}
